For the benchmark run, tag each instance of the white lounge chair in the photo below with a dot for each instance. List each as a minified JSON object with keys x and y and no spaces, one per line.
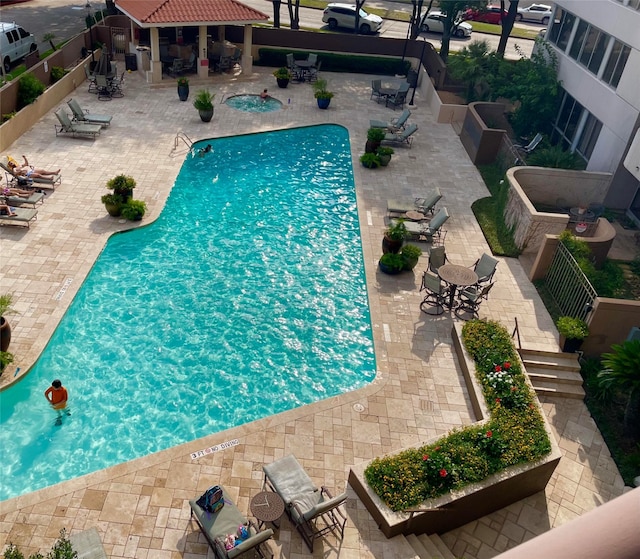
{"x":74,"y":128}
{"x":85,"y":117}
{"x":403,"y":137}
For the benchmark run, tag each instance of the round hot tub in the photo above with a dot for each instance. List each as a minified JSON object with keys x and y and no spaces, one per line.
{"x":253,"y":103}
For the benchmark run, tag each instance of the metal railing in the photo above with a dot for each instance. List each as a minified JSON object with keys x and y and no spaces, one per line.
{"x":568,"y":286}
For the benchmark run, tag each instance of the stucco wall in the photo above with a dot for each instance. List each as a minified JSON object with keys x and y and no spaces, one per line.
{"x":610,"y":323}
{"x":481,"y":142}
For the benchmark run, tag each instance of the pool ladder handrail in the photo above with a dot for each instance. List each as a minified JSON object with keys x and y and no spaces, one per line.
{"x":182,"y":136}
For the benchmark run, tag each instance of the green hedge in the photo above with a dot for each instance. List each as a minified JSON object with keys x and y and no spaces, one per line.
{"x":514,"y":434}
{"x":338,"y":62}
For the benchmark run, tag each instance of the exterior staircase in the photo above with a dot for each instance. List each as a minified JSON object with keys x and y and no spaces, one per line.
{"x":553,"y":373}
{"x":420,"y":547}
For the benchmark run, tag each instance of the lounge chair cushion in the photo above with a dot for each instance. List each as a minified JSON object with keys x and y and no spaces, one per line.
{"x":322,"y":506}
{"x":50,"y":180}
{"x":289,"y":480}
{"x":19,"y":200}
{"x":23,"y":217}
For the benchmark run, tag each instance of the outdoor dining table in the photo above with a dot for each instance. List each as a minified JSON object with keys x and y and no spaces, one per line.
{"x":304,"y":66}
{"x":456,"y":276}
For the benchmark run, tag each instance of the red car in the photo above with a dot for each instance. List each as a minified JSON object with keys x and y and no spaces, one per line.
{"x":490,"y":14}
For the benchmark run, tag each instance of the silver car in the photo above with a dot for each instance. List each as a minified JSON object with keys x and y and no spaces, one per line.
{"x":344,"y":15}
{"x":536,"y":12}
{"x":433,"y":22}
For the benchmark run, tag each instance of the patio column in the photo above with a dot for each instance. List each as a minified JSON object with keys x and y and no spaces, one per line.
{"x":203,"y":58}
{"x":154,"y":75}
{"x":247,"y":57}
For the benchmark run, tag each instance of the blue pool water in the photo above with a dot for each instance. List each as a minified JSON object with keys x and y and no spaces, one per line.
{"x":245,"y":298}
{"x":253,"y":103}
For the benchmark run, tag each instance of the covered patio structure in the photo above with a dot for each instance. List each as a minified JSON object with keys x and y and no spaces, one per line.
{"x":190,"y":20}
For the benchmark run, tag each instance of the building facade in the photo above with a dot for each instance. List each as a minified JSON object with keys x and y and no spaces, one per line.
{"x":598,"y":48}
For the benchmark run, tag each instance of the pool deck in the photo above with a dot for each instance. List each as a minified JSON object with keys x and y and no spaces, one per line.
{"x":140,"y":508}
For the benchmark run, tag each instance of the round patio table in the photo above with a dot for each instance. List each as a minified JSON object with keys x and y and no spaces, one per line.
{"x":267,"y":506}
{"x":415,"y":216}
{"x":456,"y":276}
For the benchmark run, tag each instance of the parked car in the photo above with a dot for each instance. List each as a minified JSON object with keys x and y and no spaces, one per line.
{"x":344,"y":15}
{"x":15,"y":43}
{"x":540,"y":13}
{"x":490,"y":14}
{"x":433,"y":22}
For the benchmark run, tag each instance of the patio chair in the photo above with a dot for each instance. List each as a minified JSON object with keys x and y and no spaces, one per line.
{"x":104,"y":89}
{"x":485,"y":267}
{"x":116,"y":85}
{"x":91,"y":79}
{"x":312,"y":73}
{"x":428,"y":232}
{"x":395,"y":124}
{"x":399,"y":98}
{"x":424,"y":205}
{"x":80,"y":115}
{"x":403,"y":137}
{"x":217,"y":525}
{"x":533,"y":144}
{"x":32,"y":200}
{"x":314,"y":512}
{"x":437,"y":258}
{"x":74,"y":128}
{"x":437,"y":293}
{"x":376,"y":85}
{"x":23,"y":217}
{"x":225,"y":63}
{"x":291,"y":63}
{"x":49,"y":181}
{"x":469,"y":300}
{"x":175,"y":67}
{"x":312,"y":58}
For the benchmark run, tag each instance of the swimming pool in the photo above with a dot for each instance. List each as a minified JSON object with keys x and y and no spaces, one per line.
{"x":246,"y":298}
{"x":253,"y":103}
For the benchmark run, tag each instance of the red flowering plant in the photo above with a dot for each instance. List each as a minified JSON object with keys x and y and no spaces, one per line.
{"x":438,"y":468}
{"x":506,"y":386}
{"x":490,"y":441}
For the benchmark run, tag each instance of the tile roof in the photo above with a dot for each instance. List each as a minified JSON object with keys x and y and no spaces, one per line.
{"x":150,"y":13}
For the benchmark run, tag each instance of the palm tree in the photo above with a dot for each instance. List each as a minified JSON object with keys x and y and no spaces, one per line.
{"x":622,"y":370}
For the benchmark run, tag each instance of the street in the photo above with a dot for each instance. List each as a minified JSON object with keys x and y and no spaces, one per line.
{"x":66,"y":18}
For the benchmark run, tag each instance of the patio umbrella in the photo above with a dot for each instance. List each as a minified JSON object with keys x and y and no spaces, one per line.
{"x":104,"y":65}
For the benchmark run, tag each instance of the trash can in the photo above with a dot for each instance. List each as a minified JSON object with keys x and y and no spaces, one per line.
{"x":130,"y":62}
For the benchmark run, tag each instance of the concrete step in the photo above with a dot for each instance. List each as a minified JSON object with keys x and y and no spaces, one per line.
{"x":432,"y":549}
{"x":398,"y":548}
{"x":537,"y":358}
{"x":442,"y":547}
{"x":417,"y":546}
{"x":558,"y":375}
{"x":558,"y":389}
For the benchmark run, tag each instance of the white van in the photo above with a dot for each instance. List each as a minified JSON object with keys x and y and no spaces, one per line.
{"x":15,"y":43}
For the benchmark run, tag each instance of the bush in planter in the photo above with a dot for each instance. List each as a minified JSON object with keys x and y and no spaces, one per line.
{"x":204,"y":104}
{"x":374,"y":139}
{"x":122,"y":186}
{"x":183,"y":88}
{"x":394,"y":236}
{"x":384,"y":153}
{"x":572,"y":328}
{"x":391,"y":263}
{"x":282,"y":73}
{"x":113,"y":203}
{"x":410,"y":256}
{"x":6,"y":358}
{"x":134,"y":210}
{"x":370,"y":160}
{"x":320,"y":92}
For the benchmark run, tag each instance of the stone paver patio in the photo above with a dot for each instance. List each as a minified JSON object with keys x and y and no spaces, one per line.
{"x":140,"y":508}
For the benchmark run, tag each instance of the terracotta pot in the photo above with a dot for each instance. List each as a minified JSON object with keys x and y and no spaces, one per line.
{"x":5,"y":334}
{"x":389,"y":245}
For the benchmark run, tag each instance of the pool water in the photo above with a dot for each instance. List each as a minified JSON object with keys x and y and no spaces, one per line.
{"x":253,"y":103}
{"x":247,"y":297}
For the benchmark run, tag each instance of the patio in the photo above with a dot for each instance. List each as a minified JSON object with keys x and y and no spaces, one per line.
{"x":140,"y":508}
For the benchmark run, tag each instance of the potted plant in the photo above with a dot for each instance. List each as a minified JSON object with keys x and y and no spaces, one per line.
{"x":323,"y":97}
{"x":134,"y":210}
{"x":122,"y":186}
{"x":394,"y":236}
{"x":391,"y":263}
{"x":282,"y":75}
{"x":370,"y":160}
{"x":410,"y":256}
{"x":204,"y":104}
{"x":112,"y":203}
{"x":384,"y":154}
{"x":374,"y":139}
{"x":6,"y":358}
{"x":572,"y":331}
{"x":183,"y":88}
{"x":5,"y":327}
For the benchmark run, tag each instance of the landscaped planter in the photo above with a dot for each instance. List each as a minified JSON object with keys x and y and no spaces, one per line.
{"x":454,"y":509}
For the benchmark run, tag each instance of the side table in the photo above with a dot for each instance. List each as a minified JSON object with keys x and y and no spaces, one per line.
{"x":267,"y":506}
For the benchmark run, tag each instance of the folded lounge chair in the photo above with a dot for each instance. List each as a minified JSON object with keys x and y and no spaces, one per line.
{"x":73,"y":128}
{"x":217,"y":525}
{"x":23,"y":217}
{"x":314,"y":512}
{"x":82,"y":116}
{"x":403,"y":137}
{"x":424,"y":205}
{"x":394,"y":124}
{"x":46,"y":182}
{"x":427,"y":231}
{"x":35,"y":198}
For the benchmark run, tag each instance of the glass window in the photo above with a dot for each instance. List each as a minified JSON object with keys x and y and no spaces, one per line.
{"x":561,"y":28}
{"x":575,"y":128}
{"x":578,"y":40}
{"x":589,"y":136}
{"x":598,"y":53}
{"x":616,"y":63}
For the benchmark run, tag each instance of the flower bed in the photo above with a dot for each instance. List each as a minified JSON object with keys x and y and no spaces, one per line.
{"x":508,"y":455}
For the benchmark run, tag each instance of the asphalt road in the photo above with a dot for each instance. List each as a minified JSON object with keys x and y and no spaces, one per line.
{"x":65,"y":18}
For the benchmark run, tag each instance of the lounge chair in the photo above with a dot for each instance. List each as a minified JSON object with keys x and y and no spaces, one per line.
{"x":74,"y":128}
{"x":49,"y":181}
{"x":80,"y":115}
{"x":314,"y":512}
{"x":399,"y":98}
{"x":23,"y":217}
{"x":394,"y":124}
{"x":424,"y":205}
{"x":403,"y":137}
{"x":485,"y":267}
{"x":35,"y":198}
{"x":217,"y":525}
{"x":429,"y":232}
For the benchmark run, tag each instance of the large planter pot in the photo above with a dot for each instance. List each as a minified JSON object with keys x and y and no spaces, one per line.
{"x":113,"y":209}
{"x":323,"y":103}
{"x":5,"y":334}
{"x":206,"y":116}
{"x":183,"y":92}
{"x":371,"y":146}
{"x":410,"y":263}
{"x":570,"y":345}
{"x":384,"y":160}
{"x":389,"y":245}
{"x":387,"y":270}
{"x":282,"y":82}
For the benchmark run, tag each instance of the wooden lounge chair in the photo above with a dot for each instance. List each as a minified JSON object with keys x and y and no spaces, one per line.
{"x":49,"y":181}
{"x":23,"y":217}
{"x":82,"y":116}
{"x":74,"y":128}
{"x":423,"y":205}
{"x":35,"y":198}
{"x":217,"y":525}
{"x":314,"y":512}
{"x":403,"y":137}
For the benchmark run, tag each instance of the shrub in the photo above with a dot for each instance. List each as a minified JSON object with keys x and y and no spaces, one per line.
{"x":572,"y":328}
{"x":514,"y":434}
{"x":29,"y":88}
{"x":57,"y":73}
{"x":370,"y":160}
{"x":134,"y":210}
{"x":557,"y":158}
